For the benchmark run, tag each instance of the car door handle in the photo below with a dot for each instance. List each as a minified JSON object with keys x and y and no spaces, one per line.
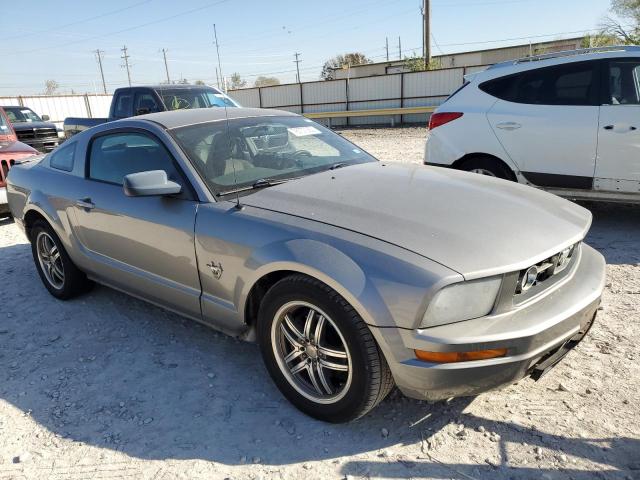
{"x":508,"y":125}
{"x":85,"y":203}
{"x":608,"y":127}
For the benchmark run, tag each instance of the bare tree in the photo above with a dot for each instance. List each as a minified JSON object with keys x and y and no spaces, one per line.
{"x":342,"y":61}
{"x":262,"y":81}
{"x":50,"y":87}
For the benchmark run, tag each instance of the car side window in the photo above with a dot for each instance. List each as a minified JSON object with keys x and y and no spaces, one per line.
{"x":570,"y":84}
{"x":63,"y":158}
{"x":144,"y":103}
{"x":624,"y":82}
{"x":123,"y":105}
{"x":114,"y":156}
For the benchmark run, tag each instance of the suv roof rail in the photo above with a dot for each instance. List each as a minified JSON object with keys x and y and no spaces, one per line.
{"x":569,"y":53}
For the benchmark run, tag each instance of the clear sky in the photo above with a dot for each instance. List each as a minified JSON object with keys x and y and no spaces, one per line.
{"x":55,"y":40}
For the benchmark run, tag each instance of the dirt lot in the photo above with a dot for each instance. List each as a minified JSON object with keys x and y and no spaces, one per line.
{"x":109,"y":387}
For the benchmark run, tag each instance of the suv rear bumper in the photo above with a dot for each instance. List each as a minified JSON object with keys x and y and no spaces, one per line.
{"x":536,"y":335}
{"x":4,"y":204}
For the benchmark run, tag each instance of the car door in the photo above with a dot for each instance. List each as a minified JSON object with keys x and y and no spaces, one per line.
{"x":547,"y":121}
{"x":618,"y":162}
{"x":143,"y":245}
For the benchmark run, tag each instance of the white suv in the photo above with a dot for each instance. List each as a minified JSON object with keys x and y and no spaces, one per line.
{"x":568,"y":122}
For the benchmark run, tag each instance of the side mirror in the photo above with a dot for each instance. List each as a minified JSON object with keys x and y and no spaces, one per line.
{"x":151,"y":183}
{"x":45,"y":118}
{"x":143,"y":111}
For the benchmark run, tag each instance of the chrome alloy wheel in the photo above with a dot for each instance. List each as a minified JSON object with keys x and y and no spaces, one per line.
{"x":50,"y":260}
{"x":311,"y":352}
{"x":483,"y":171}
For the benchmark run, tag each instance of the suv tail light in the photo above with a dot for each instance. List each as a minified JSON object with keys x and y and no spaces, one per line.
{"x":438,"y":119}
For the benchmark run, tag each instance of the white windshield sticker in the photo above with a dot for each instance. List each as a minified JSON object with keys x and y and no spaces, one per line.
{"x":304,"y":131}
{"x":3,"y":127}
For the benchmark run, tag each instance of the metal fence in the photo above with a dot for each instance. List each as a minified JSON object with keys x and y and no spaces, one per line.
{"x":59,"y":107}
{"x":385,"y":91}
{"x":416,"y":89}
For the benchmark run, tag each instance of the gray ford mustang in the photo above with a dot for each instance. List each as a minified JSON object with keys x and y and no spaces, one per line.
{"x":352,"y":275}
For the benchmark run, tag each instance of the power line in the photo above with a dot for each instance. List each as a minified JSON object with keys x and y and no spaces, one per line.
{"x":125,"y":57}
{"x":84,"y":20}
{"x":128,"y":29}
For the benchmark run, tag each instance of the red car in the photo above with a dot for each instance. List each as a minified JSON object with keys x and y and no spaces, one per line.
{"x":11,"y":151}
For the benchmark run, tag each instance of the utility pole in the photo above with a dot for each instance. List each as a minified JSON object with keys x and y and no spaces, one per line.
{"x":215,"y":36}
{"x":297,"y":62}
{"x":217,"y":78}
{"x":125,"y":57}
{"x":399,"y":48}
{"x":166,"y":67}
{"x":426,"y":32}
{"x":99,"y":58}
{"x":386,"y":39}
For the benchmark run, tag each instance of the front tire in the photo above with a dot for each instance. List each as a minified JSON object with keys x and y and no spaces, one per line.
{"x":58,"y":273}
{"x":319,"y":352}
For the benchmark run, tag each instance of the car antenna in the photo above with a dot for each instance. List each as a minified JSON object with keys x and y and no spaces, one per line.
{"x":233,"y":164}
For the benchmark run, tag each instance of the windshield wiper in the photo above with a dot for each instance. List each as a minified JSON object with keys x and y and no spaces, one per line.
{"x":262,"y":183}
{"x":335,"y":166}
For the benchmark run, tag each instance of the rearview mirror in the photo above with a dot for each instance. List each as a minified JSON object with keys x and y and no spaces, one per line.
{"x":151,"y":183}
{"x":45,"y":118}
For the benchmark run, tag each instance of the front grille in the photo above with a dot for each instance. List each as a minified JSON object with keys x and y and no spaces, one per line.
{"x":542,"y":275}
{"x":37,"y":134}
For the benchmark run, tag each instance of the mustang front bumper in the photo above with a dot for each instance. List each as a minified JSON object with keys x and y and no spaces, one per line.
{"x":536,"y":335}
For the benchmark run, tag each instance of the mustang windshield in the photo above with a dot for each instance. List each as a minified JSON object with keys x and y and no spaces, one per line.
{"x":259,"y":150}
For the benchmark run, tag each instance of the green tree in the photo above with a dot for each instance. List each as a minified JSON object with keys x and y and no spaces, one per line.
{"x":342,"y":61}
{"x":199,"y":82}
{"x":236,"y":81}
{"x":628,"y":33}
{"x":415,"y":63}
{"x":262,"y":81}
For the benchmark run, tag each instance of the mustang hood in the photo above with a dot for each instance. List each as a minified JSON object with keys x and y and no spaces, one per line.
{"x":473,"y":224}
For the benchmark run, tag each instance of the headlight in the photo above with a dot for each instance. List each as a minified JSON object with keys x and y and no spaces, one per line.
{"x":462,"y":301}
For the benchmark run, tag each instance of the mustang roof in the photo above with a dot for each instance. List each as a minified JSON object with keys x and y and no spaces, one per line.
{"x":181,"y":118}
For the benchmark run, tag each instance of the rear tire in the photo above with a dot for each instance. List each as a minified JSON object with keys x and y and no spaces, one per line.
{"x":58,"y":273}
{"x":341,"y":373}
{"x":489,"y":166}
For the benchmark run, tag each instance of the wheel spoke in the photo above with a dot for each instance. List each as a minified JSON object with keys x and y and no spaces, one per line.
{"x":323,"y":379}
{"x":292,"y":340}
{"x":57,"y":270}
{"x":299,"y":367}
{"x":293,"y":355}
{"x":328,"y":352}
{"x":308,"y":324}
{"x":334,"y":366}
{"x":317,"y":334}
{"x":314,"y":380}
{"x":298,"y":334}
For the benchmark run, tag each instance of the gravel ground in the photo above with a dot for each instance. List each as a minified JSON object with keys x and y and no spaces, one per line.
{"x":106,"y":386}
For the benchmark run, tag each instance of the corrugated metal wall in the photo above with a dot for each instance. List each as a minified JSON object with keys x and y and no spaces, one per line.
{"x":384,"y":91}
{"x":59,"y":107}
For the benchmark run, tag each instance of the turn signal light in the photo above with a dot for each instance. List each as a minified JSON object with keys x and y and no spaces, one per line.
{"x":451,"y":357}
{"x":439,"y":119}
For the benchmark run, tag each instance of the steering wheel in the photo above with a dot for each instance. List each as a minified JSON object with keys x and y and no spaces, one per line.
{"x":178,"y":103}
{"x":298,"y":155}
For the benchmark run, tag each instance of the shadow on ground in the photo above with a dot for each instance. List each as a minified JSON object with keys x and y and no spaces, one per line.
{"x":115,"y":372}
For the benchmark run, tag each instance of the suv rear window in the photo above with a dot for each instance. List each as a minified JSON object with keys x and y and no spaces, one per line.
{"x":569,"y":84}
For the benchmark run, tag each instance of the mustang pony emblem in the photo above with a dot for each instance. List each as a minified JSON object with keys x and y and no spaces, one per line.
{"x":216,"y":269}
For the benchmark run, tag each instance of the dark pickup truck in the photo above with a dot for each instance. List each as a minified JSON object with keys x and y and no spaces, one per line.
{"x":35,"y":131}
{"x":132,"y":101}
